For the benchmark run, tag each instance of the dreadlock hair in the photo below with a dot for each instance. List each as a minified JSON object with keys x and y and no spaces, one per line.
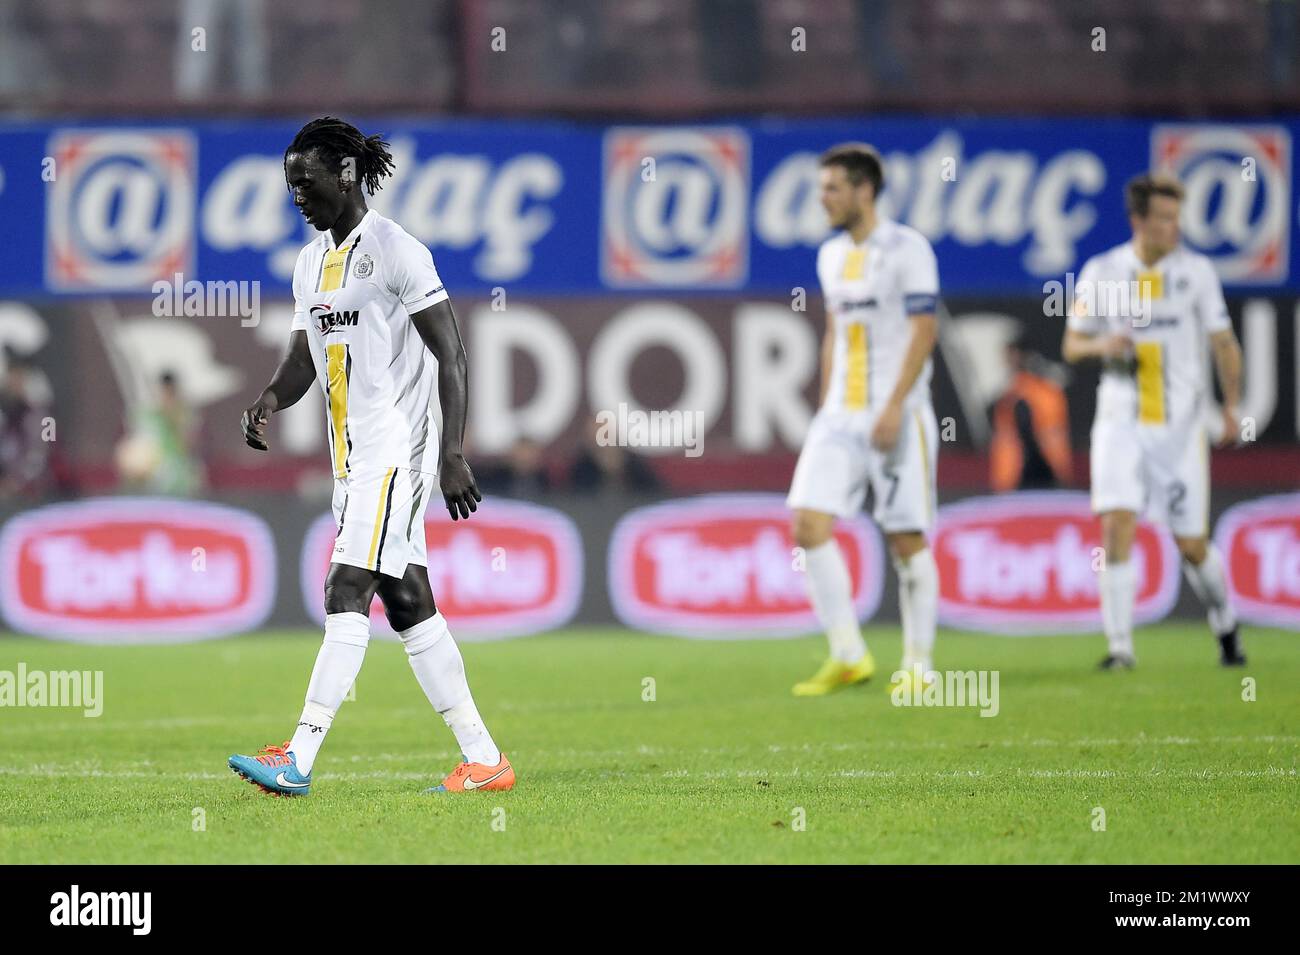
{"x":334,"y":141}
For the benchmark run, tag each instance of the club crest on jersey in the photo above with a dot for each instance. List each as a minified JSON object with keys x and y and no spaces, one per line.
{"x":1238,"y":195}
{"x":365,"y":265}
{"x":328,"y":320}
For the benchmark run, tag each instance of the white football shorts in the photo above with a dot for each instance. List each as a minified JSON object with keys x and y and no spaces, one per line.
{"x":1156,"y":472}
{"x":838,"y":463}
{"x":379,"y":513}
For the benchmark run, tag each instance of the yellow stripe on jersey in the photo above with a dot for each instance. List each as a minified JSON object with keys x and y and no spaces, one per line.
{"x":854,"y":264}
{"x":336,"y":378}
{"x":855,"y":382}
{"x":1151,"y":286}
{"x":333,"y":269}
{"x":1151,"y":382}
{"x":379,"y":517}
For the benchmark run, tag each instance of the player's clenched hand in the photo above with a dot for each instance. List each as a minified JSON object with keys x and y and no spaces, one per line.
{"x":459,"y":489}
{"x":254,"y":424}
{"x":1115,"y":346}
{"x":885,"y":434}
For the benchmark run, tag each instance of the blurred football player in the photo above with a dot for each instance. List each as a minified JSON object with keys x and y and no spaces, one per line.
{"x":374,"y":327}
{"x":875,"y":427}
{"x":1146,"y":310}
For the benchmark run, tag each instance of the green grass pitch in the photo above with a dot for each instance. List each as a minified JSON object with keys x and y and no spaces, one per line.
{"x":724,"y":765}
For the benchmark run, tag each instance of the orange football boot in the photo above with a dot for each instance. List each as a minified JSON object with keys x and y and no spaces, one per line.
{"x":468,"y":777}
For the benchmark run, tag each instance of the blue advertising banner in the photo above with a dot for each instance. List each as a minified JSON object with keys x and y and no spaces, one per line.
{"x":568,"y":208}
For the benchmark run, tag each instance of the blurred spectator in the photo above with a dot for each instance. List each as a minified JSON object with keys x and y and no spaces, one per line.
{"x":520,"y":475}
{"x":601,"y":467}
{"x":1281,"y":41}
{"x":158,"y":455}
{"x":1031,"y":434}
{"x":234,"y":30}
{"x":733,"y":42}
{"x":24,"y":64}
{"x":585,"y":56}
{"x":578,"y":52}
{"x":875,"y":20}
{"x":24,"y":444}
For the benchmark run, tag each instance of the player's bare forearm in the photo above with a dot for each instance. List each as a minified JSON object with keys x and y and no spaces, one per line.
{"x":437,"y":327}
{"x":290,"y":382}
{"x":889,"y":421}
{"x":925,"y":332}
{"x":1227,"y":362}
{"x":453,"y":395}
{"x":441,"y":335}
{"x":294,"y":375}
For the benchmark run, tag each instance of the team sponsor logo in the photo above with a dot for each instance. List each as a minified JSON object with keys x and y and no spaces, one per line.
{"x":676,"y":207}
{"x":136,"y":570}
{"x":120,"y":210}
{"x":365,"y":265}
{"x":1260,"y":544}
{"x":1028,"y":562}
{"x":328,"y":320}
{"x":512,"y":569}
{"x":1237,"y":207}
{"x":725,"y":566}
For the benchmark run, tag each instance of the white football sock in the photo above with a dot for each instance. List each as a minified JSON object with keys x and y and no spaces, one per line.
{"x":439,"y":667}
{"x":337,"y":666}
{"x":918,"y":601}
{"x":831,"y":591}
{"x":1210,"y":585}
{"x":1118,"y":587}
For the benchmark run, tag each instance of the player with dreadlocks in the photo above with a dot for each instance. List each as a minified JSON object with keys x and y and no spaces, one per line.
{"x":369,"y":309}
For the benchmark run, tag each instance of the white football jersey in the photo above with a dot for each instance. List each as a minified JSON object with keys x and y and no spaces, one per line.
{"x":355,"y":302}
{"x":1169,"y":310}
{"x":871,"y":291}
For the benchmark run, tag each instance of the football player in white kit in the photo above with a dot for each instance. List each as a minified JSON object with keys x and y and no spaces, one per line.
{"x":875,"y":427}
{"x":374,"y":327}
{"x":1146,"y":309}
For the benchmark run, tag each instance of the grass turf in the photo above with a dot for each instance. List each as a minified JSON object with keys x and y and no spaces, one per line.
{"x":722,"y":766}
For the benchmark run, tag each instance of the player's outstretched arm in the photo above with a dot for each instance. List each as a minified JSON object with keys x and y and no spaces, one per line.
{"x":437,"y":327}
{"x":289,"y":383}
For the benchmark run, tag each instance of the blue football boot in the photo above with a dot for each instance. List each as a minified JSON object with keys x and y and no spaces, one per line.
{"x":274,"y":771}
